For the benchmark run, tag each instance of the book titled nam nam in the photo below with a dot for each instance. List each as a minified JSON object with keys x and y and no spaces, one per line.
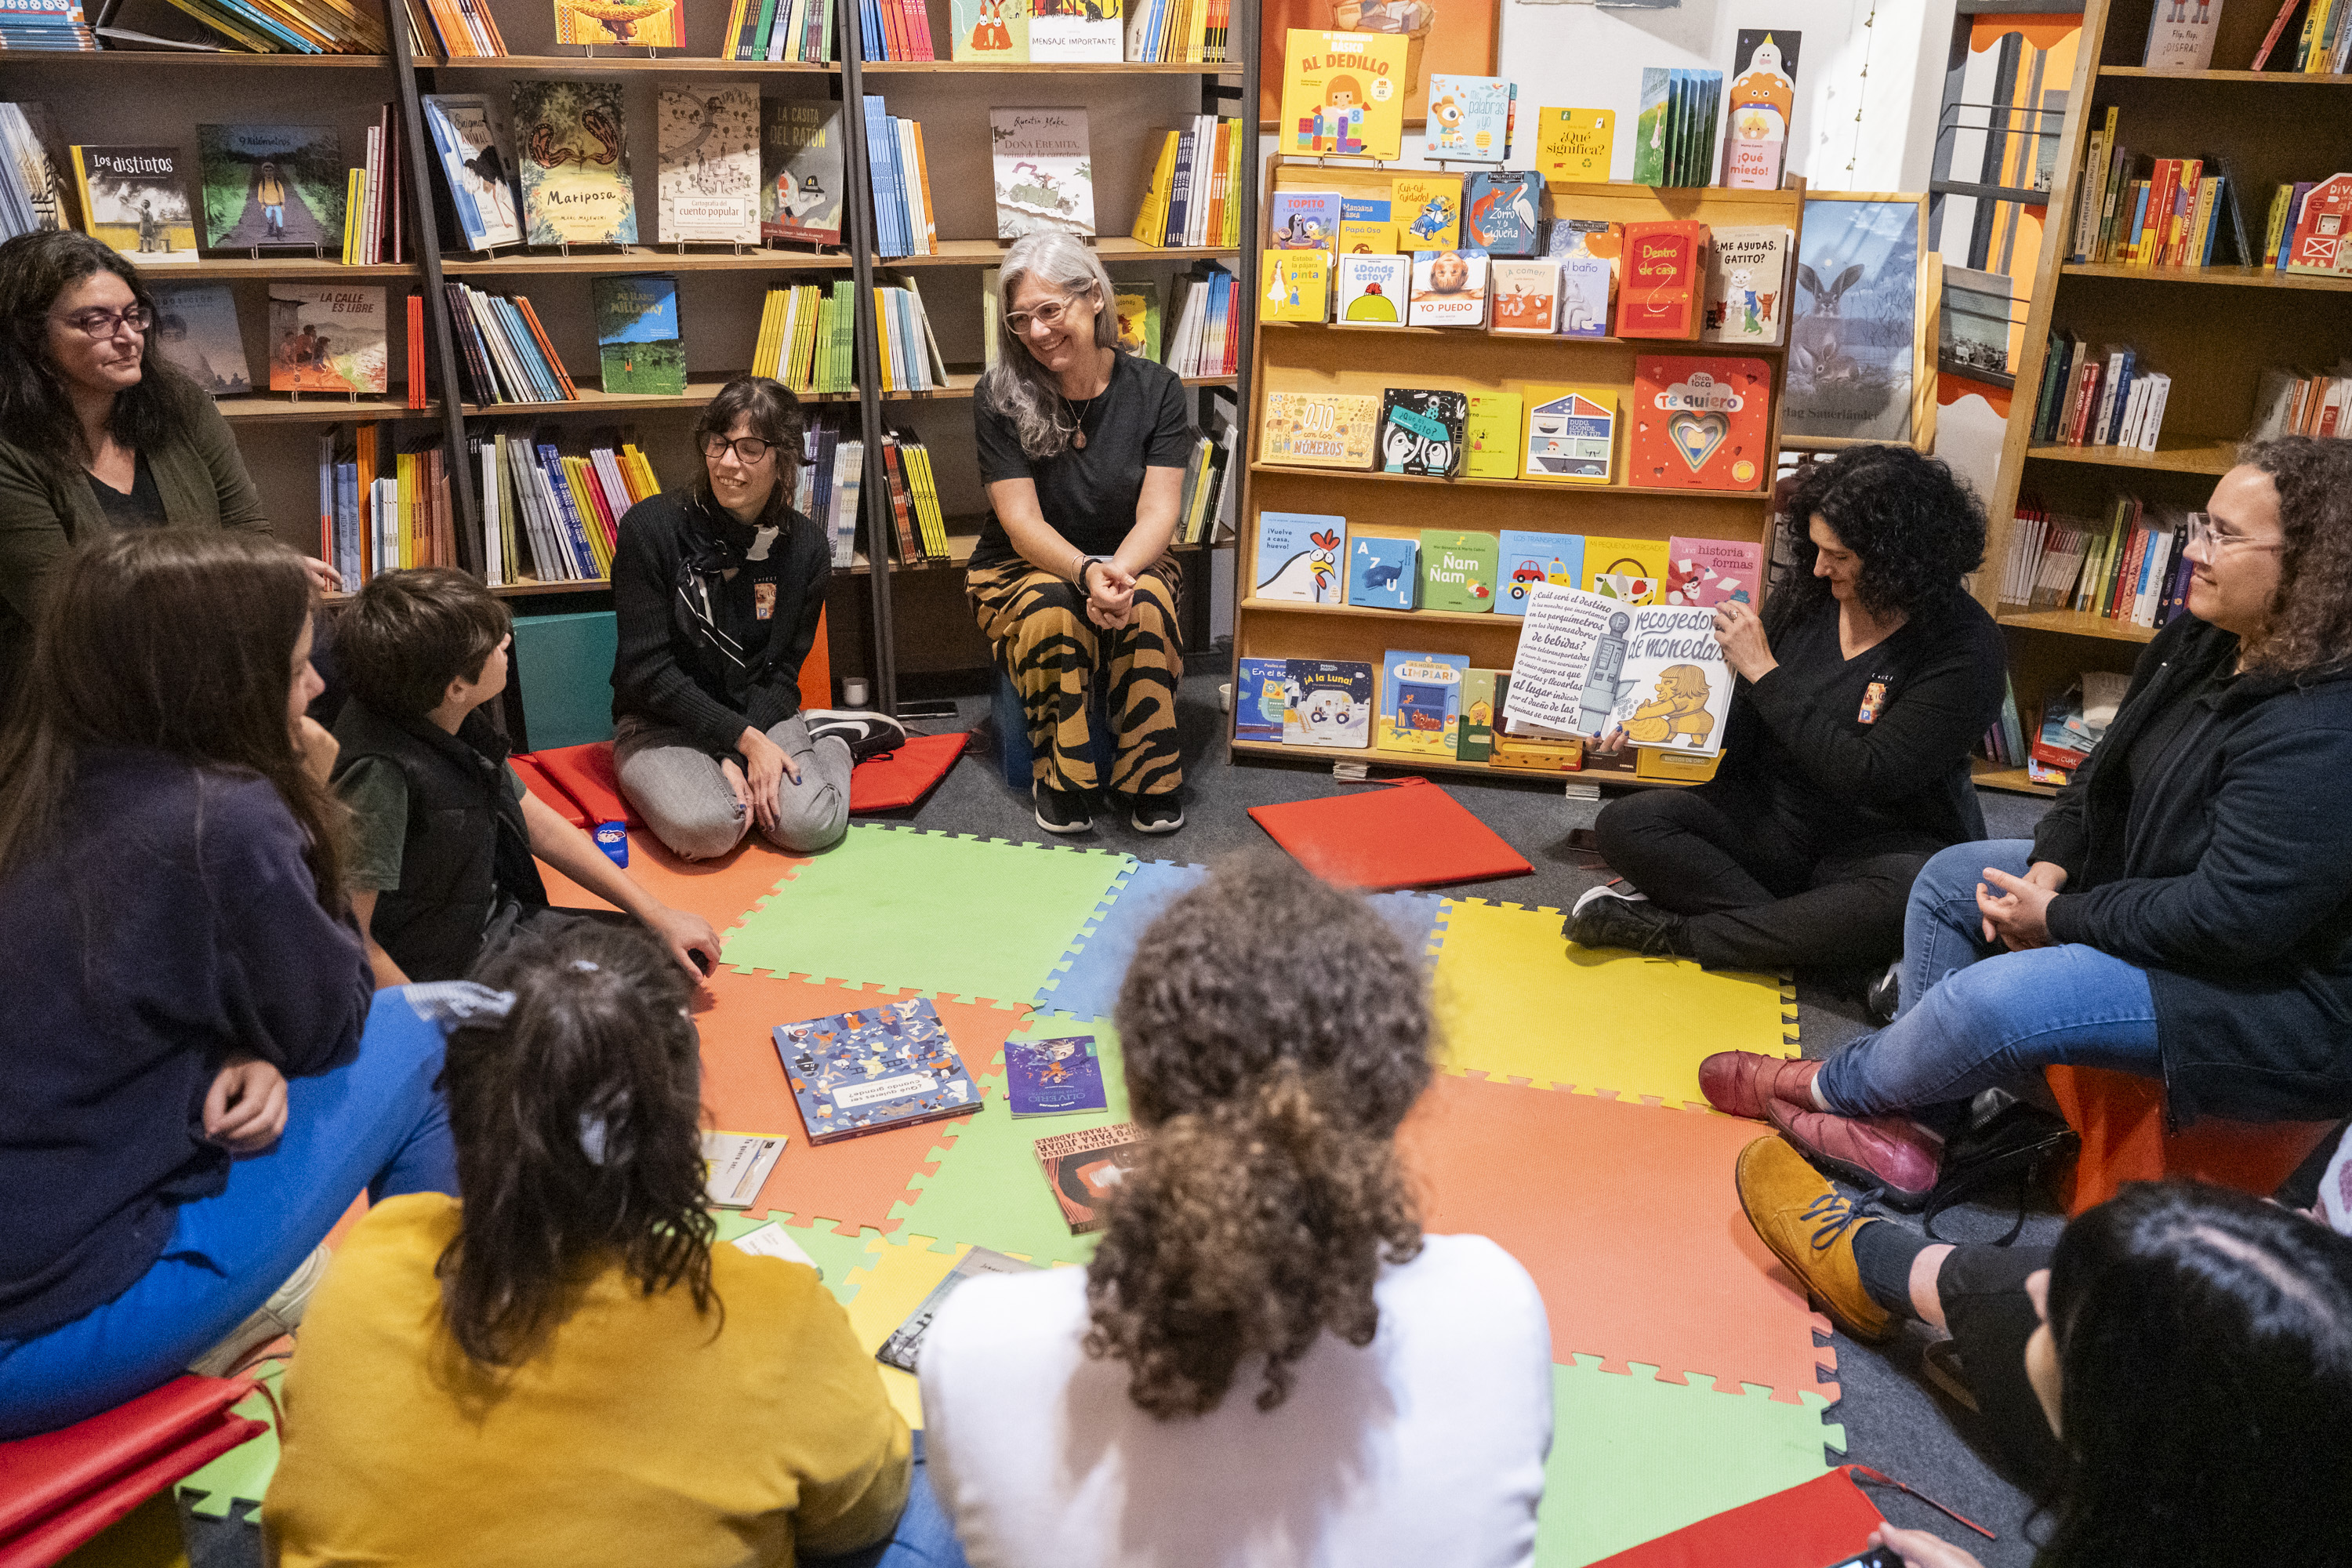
{"x":888,"y":1066}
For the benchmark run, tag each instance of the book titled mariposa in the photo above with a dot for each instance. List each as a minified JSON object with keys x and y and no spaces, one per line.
{"x":888,"y":1066}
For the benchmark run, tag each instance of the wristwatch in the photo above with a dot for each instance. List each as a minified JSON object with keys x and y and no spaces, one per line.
{"x":1078,"y":578}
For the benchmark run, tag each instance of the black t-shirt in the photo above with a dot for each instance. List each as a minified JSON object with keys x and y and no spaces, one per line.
{"x":2181,"y":721}
{"x":143,"y":508}
{"x":1089,"y":495}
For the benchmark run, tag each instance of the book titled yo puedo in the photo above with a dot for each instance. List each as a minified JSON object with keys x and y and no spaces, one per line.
{"x":1083,"y":1170}
{"x":1054,"y":1077}
{"x":888,"y":1066}
{"x":1662,"y":279}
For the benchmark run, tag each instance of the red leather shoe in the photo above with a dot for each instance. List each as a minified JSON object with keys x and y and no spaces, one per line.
{"x":1894,"y":1153}
{"x":1742,"y":1083}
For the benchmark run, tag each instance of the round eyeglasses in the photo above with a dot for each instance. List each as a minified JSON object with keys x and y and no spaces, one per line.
{"x":748,"y":449}
{"x":104,"y":324}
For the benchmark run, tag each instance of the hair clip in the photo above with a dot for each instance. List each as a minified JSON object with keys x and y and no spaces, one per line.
{"x":455,"y":1004}
{"x":592,"y":1137}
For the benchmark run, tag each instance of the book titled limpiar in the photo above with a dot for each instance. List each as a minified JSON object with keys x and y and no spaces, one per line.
{"x":1084,"y":1170}
{"x":1659,"y":292}
{"x":883,"y":1066}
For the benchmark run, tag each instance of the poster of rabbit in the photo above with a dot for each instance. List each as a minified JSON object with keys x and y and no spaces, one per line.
{"x":1858,"y":334}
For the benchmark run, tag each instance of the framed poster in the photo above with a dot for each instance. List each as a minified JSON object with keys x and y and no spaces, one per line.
{"x":1454,"y":36}
{"x":1862,"y":332}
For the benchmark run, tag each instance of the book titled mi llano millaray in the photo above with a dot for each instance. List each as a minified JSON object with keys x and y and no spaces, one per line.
{"x":1084,"y":1170}
{"x":878,"y":1067}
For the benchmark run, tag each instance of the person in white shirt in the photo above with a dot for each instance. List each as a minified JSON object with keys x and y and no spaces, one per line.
{"x":1267,"y":1363}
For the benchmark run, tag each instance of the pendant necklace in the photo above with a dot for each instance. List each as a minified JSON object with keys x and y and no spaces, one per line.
{"x":1078,"y":418}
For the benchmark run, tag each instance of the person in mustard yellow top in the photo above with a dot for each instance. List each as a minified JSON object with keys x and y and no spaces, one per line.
{"x":563,"y":1369}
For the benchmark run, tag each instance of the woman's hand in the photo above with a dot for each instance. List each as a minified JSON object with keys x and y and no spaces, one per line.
{"x":328,"y":579}
{"x":686,"y":935}
{"x":1111,"y":594}
{"x":732,"y":772}
{"x":764,"y":766}
{"x":1920,"y":1550}
{"x":2019,"y":916}
{"x":245,"y":1110}
{"x":316,"y":748}
{"x":1611,"y":743}
{"x":1741,"y":636}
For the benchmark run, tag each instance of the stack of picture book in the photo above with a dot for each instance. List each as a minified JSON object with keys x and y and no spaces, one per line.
{"x":1207,"y":339}
{"x":462,"y":29}
{"x":2099,"y":397}
{"x":903,"y":219}
{"x":1187,"y":203}
{"x":383,"y":507}
{"x":911,"y":349}
{"x":1201,"y":506}
{"x":1089,"y":32}
{"x":805,"y":337}
{"x":504,"y":355}
{"x":2072,"y":724}
{"x":2299,"y":403}
{"x":31,"y":200}
{"x":800,"y":31}
{"x":1674,"y":130}
{"x":833,"y":467}
{"x":51,"y":26}
{"x":893,"y":30}
{"x":919,"y":534}
{"x":549,"y":518}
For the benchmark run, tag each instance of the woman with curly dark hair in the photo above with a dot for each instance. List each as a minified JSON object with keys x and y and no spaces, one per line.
{"x":2181,"y":913}
{"x":1861,"y":688}
{"x":1266,"y":1362}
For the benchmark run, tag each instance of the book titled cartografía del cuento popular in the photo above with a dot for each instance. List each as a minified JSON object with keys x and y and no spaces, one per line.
{"x":1083,"y":1171}
{"x":888,"y":1066}
{"x":709,"y":140}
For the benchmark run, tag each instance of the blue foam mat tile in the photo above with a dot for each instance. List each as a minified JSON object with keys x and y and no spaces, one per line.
{"x":1415,"y":917}
{"x":1087,"y":982}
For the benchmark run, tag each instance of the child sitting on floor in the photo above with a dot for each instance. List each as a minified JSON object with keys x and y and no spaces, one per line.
{"x":444,"y":833}
{"x":562,"y":1367}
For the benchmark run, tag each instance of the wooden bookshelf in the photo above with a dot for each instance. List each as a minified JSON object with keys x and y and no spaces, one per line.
{"x":2213,"y":330}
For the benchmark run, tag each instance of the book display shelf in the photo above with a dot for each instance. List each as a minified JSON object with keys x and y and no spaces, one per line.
{"x":122,"y":96}
{"x":2213,"y":328}
{"x":1334,"y":358}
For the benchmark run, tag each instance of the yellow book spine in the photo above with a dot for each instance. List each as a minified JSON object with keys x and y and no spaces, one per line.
{"x":575,"y":477}
{"x":1152,"y":223}
{"x":642,"y":481}
{"x":405,"y":525}
{"x":882,"y":332}
{"x":763,"y":356}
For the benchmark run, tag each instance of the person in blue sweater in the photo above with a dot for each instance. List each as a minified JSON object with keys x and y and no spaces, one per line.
{"x":2182,"y":913}
{"x":191,"y":1104}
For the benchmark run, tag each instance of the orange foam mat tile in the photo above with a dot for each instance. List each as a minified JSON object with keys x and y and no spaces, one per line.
{"x":1626,"y":1217}
{"x":854,"y":1183}
{"x":721,"y":891}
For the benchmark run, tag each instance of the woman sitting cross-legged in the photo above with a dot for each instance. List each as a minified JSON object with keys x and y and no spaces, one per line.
{"x":2182,"y":912}
{"x":2173,"y":1378}
{"x":1083,"y":449}
{"x":191,"y":1105}
{"x":1267,"y":1363}
{"x":562,"y":1367}
{"x":1860,"y":690}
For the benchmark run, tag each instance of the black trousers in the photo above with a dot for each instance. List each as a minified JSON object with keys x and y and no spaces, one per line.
{"x":1991,"y":1317}
{"x":1760,"y":892}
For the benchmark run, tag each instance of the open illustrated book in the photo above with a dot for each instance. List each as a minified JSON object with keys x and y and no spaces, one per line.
{"x":1590,"y":666}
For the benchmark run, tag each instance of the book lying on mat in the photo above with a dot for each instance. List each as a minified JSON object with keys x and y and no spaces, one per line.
{"x":1084,"y":1170}
{"x":904,"y":1348}
{"x":736,"y":1165}
{"x":1054,"y":1077}
{"x":878,"y":1067}
{"x":772,"y":1240}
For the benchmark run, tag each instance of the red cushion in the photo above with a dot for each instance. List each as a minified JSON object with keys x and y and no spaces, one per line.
{"x":527,"y":769}
{"x":1825,"y":1521}
{"x":904,"y":776}
{"x":1409,"y":834}
{"x":65,"y":1486}
{"x":586,"y":773}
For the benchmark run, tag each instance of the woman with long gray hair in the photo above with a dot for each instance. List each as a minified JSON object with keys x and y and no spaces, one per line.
{"x":1082,"y":450}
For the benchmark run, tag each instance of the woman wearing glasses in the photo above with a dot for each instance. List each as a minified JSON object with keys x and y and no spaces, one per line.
{"x":717,"y":590}
{"x":1082,"y":450}
{"x":97,"y":432}
{"x":2182,"y":912}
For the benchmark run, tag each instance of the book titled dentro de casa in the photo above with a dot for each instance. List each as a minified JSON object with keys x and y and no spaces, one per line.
{"x":888,"y":1066}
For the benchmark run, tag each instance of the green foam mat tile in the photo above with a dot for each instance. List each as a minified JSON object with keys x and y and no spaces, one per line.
{"x":979,"y":919}
{"x":243,"y":1474}
{"x":1633,"y":1458}
{"x":989,"y":1190}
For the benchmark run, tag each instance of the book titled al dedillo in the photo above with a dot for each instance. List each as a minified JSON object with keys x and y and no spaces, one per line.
{"x":888,"y":1066}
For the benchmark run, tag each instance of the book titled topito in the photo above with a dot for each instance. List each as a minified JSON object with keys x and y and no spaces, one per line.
{"x":888,"y":1066}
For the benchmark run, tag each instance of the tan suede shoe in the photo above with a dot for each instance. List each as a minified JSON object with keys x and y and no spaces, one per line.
{"x":1810,"y":1226}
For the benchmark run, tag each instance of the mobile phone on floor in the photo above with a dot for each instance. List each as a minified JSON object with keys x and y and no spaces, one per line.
{"x":1876,"y":1557}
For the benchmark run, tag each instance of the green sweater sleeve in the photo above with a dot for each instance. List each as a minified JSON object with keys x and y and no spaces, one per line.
{"x":235,"y":503}
{"x":32,"y":531}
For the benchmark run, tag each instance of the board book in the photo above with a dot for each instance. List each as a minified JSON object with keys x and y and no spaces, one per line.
{"x":1527,"y":558}
{"x":1304,"y":220}
{"x":1420,"y":430}
{"x":1490,"y":437}
{"x":891,"y":1065}
{"x":1054,"y":1077}
{"x":1747,"y":286}
{"x":1469,"y":119}
{"x":639,"y":341}
{"x":1384,"y":573}
{"x":1700,"y":423}
{"x":576,"y":187}
{"x":1044,"y":176}
{"x":1759,"y":108}
{"x":1374,"y":290}
{"x":1319,"y":430}
{"x":1330,"y":704}
{"x":1474,"y":731}
{"x":1662,"y":279}
{"x":1587,"y":291}
{"x":1570,"y":434}
{"x":708,"y":179}
{"x":1299,"y":556}
{"x":1526,"y":295}
{"x":1458,"y":570}
{"x":735,"y":1165}
{"x":1573,"y":145}
{"x":1421,"y":702}
{"x":1710,"y":572}
{"x":1343,"y":94}
{"x":904,"y":1347}
{"x":1426,"y":210}
{"x":1502,"y":213}
{"x":1631,"y":571}
{"x":1449,"y":288}
{"x":1297,"y":285}
{"x":1261,"y":688}
{"x":1083,"y":1171}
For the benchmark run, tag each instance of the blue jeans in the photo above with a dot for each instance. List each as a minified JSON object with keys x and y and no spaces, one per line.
{"x":923,"y":1538}
{"x":1974,"y":1014}
{"x":375,"y":1123}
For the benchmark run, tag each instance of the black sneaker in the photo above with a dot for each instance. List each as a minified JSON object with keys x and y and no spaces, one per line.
{"x":1157,"y":813}
{"x":866,"y":734}
{"x":1885,"y":993}
{"x":1607,"y":917}
{"x":1061,"y":810}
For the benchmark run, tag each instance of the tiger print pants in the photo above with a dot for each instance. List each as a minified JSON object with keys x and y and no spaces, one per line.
{"x":1037,"y":624}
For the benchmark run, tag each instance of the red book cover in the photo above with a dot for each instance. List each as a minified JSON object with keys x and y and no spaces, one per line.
{"x":416,"y":350}
{"x":2126,"y":593}
{"x":2086,"y":400}
{"x":1083,"y":1171}
{"x":1660,"y":279}
{"x":1700,"y":423}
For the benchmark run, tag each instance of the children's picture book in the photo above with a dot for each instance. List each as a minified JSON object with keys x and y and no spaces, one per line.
{"x":1564,"y":678}
{"x":1366,"y":225}
{"x":1137,"y":303}
{"x":326,"y":337}
{"x":710,"y":177}
{"x":736,"y":1165}
{"x":1747,"y":286}
{"x":1298,"y":557}
{"x":772,"y":1240}
{"x":1374,"y":290}
{"x":1490,"y":437}
{"x":2321,"y":241}
{"x":1629,"y":570}
{"x":1711,"y":572}
{"x":1662,"y":279}
{"x":891,"y":1065}
{"x":1526,"y":295}
{"x":637,"y":335}
{"x":1854,"y":319}
{"x":1586,"y":287}
{"x":196,"y":328}
{"x":1571,"y":434}
{"x":1074,"y":31}
{"x":990,"y":31}
{"x":904,"y":1347}
{"x":1457,"y":571}
{"x":1588,"y":665}
{"x":1652,"y":121}
{"x":1762,"y":103}
{"x":1261,"y":698}
{"x":1573,"y":145}
{"x":28,"y":142}
{"x":1319,"y":430}
{"x":2180,"y":34}
{"x":1421,"y":702}
{"x":1384,"y":573}
{"x":633,"y":24}
{"x":1304,"y":220}
{"x":1674,"y":691}
{"x":800,"y":170}
{"x":271,"y":185}
{"x":469,"y":136}
{"x":1528,"y":559}
{"x":1700,"y":423}
{"x":1343,"y":94}
{"x":1044,"y":176}
{"x":132,"y":198}
{"x":1427,"y":211}
{"x":1054,"y":1077}
{"x":1330,"y":704}
{"x":1474,"y":731}
{"x":1449,"y":288}
{"x":1592,"y":237}
{"x":576,"y":188}
{"x":1083,"y":1170}
{"x":1297,"y":285}
{"x":1674,"y":132}
{"x":1501,"y":211}
{"x":1420,"y":430}
{"x":1469,"y":119}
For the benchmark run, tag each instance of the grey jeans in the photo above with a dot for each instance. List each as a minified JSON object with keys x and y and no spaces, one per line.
{"x":684,"y":797}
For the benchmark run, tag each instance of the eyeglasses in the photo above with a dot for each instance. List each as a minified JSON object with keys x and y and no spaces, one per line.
{"x":1047,"y":315}
{"x":749,"y":451}
{"x":104,"y":324}
{"x":2203,"y":536}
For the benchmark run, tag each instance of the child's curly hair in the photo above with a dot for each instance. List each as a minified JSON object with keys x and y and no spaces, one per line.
{"x":1275,"y":1032}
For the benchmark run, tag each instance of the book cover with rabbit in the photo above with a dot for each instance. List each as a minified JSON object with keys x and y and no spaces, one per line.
{"x":1853,"y":329}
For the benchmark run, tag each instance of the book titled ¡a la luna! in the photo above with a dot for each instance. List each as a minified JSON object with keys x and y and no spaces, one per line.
{"x":888,"y":1066}
{"x":1045,"y":175}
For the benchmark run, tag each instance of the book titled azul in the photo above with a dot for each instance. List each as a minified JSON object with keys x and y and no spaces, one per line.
{"x":888,"y":1066}
{"x":1384,"y":573}
{"x":1054,"y":1077}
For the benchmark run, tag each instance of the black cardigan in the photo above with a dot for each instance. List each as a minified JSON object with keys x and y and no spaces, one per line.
{"x":2225,"y":878}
